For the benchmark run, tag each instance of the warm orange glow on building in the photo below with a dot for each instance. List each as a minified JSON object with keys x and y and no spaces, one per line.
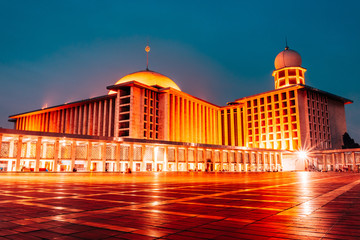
{"x":149,"y":105}
{"x":149,"y":78}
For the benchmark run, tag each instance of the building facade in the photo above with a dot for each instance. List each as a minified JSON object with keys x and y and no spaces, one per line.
{"x":147,"y":105}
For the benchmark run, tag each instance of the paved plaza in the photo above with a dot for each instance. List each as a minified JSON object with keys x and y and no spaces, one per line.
{"x":282,"y":205}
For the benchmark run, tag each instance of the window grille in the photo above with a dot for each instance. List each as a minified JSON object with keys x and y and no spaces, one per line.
{"x":5,"y":149}
{"x":81,"y":152}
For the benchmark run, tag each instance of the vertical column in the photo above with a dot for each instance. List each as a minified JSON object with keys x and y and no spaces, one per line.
{"x":206,"y":126}
{"x":94,"y":117}
{"x":176,"y":153}
{"x":117,"y":113}
{"x":143,"y":156}
{"x":56,"y":155}
{"x":226,"y":128}
{"x":257,"y":160}
{"x":186,"y":150}
{"x":236,"y":161}
{"x":215,"y":126}
{"x":182,"y":123}
{"x":1,"y":142}
{"x":154,"y":157}
{"x":239,"y":127}
{"x":75,"y":120}
{"x":18,"y":155}
{"x":199,"y":124}
{"x":58,"y":121}
{"x":78,"y":120}
{"x":196,"y":158}
{"x":353,"y":160}
{"x":110,"y":117}
{"x":90,"y":119}
{"x":232,"y":127}
{"x":88,"y":165}
{"x":22,"y":123}
{"x":100,"y":118}
{"x":211,"y":126}
{"x":71,"y":123}
{"x":191,"y":122}
{"x":73,"y":155}
{"x":37,"y":154}
{"x":220,"y":142}
{"x":221,"y":156}
{"x":186,"y":123}
{"x":104,"y":119}
{"x":172,"y":118}
{"x":31,"y":123}
{"x":196,"y":125}
{"x":62,"y":121}
{"x":177,"y":119}
{"x":68,"y":120}
{"x":84,"y":120}
{"x":103,"y":156}
{"x":117,"y":159}
{"x":51,"y":122}
{"x":203,"y":124}
{"x":131,"y":156}
{"x":166,"y":150}
{"x":212,"y":160}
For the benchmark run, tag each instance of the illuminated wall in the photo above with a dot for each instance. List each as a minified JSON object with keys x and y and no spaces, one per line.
{"x":293,"y":116}
{"x":92,"y":117}
{"x":190,"y":119}
{"x":286,"y":118}
{"x":270,"y":120}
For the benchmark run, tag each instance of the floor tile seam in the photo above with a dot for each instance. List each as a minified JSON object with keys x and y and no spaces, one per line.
{"x":16,"y":195}
{"x":264,"y":187}
{"x":60,"y":197}
{"x":106,"y":200}
{"x":189,"y":230}
{"x":131,"y":207}
{"x":234,"y":191}
{"x":340,"y":218}
{"x":100,"y":225}
{"x":232,"y":206}
{"x":254,"y":200}
{"x":47,"y":206}
{"x":323,"y":200}
{"x":179,"y":213}
{"x":279,"y":185}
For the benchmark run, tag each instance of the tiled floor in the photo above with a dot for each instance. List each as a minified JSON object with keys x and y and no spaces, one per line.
{"x":279,"y":205}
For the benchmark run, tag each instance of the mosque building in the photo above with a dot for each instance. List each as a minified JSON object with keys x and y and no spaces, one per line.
{"x":147,"y":105}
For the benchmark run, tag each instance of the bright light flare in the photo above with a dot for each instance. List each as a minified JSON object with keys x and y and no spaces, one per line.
{"x":302,"y":154}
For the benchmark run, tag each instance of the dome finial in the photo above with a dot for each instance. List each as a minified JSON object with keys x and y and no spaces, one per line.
{"x":147,"y":50}
{"x":286,"y":45}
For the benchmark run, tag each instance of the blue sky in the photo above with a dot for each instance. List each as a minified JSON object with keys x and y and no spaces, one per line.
{"x":53,"y":52}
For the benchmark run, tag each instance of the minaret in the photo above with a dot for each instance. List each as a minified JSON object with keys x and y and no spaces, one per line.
{"x":288,"y":70}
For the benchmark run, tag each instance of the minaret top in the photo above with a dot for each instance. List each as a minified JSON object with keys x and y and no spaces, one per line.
{"x":287,"y":58}
{"x":147,"y":50}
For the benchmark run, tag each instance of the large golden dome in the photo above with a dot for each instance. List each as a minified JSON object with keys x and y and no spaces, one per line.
{"x":149,"y":78}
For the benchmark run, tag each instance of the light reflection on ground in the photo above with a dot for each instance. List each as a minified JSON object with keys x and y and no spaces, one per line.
{"x":179,"y":205}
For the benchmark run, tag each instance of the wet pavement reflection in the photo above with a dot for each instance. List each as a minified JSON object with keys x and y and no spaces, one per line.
{"x":194,"y":205}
